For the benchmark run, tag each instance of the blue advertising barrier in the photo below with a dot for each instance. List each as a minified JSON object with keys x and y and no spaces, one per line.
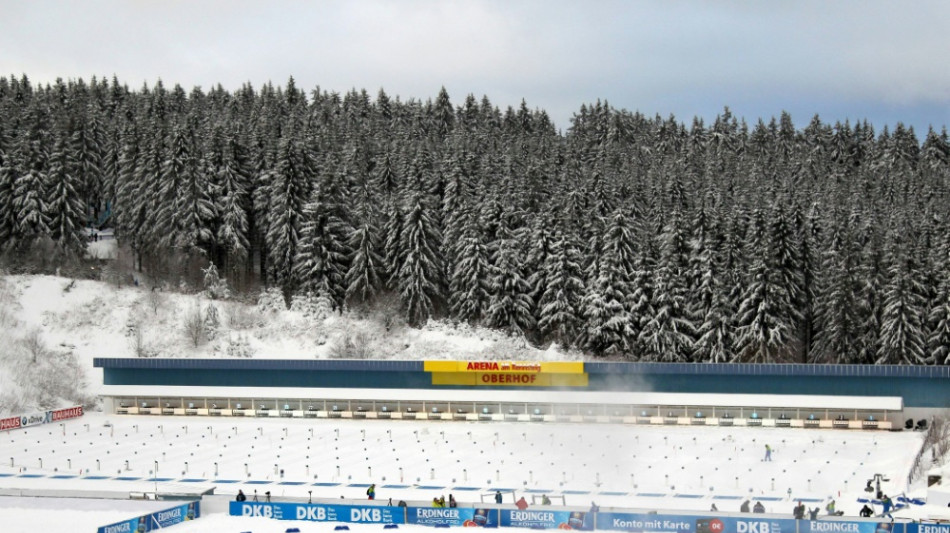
{"x":657,"y":523}
{"x":452,"y":517}
{"x":557,"y":519}
{"x":357,"y":514}
{"x":155,"y":521}
{"x":928,"y":528}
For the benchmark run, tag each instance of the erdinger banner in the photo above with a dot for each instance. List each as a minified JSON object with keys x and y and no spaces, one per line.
{"x":537,"y":519}
{"x":358,"y":514}
{"x":155,"y":521}
{"x":35,"y":419}
{"x":927,"y":528}
{"x":452,"y":516}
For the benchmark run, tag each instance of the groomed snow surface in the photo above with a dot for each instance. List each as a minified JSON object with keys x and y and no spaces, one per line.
{"x":632,"y":467}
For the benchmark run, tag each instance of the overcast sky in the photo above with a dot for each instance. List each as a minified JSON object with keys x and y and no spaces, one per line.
{"x":886,"y":61}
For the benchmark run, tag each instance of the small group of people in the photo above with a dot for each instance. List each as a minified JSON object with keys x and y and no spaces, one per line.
{"x":757,"y":508}
{"x":799,"y":511}
{"x":440,"y":502}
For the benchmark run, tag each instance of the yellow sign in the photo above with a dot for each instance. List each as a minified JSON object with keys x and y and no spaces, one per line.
{"x":507,"y":373}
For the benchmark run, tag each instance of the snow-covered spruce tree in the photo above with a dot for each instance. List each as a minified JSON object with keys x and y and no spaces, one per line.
{"x":763,"y":325}
{"x":667,"y":333}
{"x":289,"y":190}
{"x":786,"y":267}
{"x":560,"y":301}
{"x":86,"y":151}
{"x":8,"y":176}
{"x":609,"y":326}
{"x":509,"y":303}
{"x":714,"y":332}
{"x":232,"y":201}
{"x":903,"y":337}
{"x":808,"y":236}
{"x":65,"y":206}
{"x":194,"y":206}
{"x":938,"y":331}
{"x":874,"y":277}
{"x":537,"y":241}
{"x":393,"y":252}
{"x":30,"y":183}
{"x":837,"y":308}
{"x":385,"y":179}
{"x":216,"y":287}
{"x":419,"y":273}
{"x":364,"y":279}
{"x":444,"y":114}
{"x":470,"y":282}
{"x":321,"y":262}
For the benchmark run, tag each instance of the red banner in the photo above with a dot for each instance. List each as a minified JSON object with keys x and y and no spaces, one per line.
{"x":9,"y":423}
{"x":67,"y":413}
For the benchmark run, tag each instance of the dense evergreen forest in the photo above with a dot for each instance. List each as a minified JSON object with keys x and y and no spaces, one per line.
{"x":627,"y":236}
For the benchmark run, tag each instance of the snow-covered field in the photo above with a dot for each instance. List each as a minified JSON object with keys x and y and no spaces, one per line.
{"x":52,"y":326}
{"x":654,"y":468}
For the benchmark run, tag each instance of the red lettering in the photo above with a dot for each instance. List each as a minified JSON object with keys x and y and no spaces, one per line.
{"x":65,"y":414}
{"x":481,"y":365}
{"x":9,"y":423}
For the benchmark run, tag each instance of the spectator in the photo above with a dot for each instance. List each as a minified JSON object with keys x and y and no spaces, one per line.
{"x":830,"y":507}
{"x":866,"y":511}
{"x":545,"y":500}
{"x":371,"y":491}
{"x":714,"y":508}
{"x":497,"y":496}
{"x":799,"y":511}
{"x":813,"y":514}
{"x":521,"y":504}
{"x":240,"y":496}
{"x":758,"y":508}
{"x":744,"y":508}
{"x":452,"y":502}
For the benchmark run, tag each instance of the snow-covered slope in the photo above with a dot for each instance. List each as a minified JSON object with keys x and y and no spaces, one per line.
{"x":66,"y":323}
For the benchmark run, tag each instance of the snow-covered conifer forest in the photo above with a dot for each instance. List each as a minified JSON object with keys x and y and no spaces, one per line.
{"x":626,"y":235}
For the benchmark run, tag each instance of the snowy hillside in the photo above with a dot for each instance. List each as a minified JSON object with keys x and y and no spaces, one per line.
{"x":51,"y":328}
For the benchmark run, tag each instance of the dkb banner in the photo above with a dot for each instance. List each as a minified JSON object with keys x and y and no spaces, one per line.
{"x":453,"y":516}
{"x":155,"y":521}
{"x":359,"y":514}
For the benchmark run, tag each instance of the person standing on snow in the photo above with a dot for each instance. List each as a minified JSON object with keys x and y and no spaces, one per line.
{"x":887,"y":507}
{"x":768,"y":453}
